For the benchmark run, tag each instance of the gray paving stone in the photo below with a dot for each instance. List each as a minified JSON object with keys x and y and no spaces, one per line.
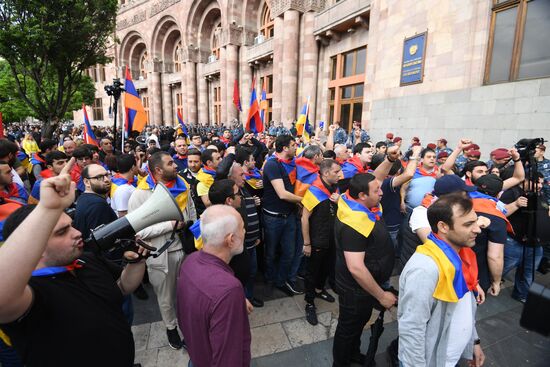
{"x":147,"y":358}
{"x":157,"y":336}
{"x":168,"y":357}
{"x":300,"y":332}
{"x":278,"y":310}
{"x":269,"y":339}
{"x":141,"y":336}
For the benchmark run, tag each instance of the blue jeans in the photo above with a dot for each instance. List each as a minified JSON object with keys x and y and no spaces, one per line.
{"x":249,"y":286}
{"x":513,"y":259}
{"x":279,"y":234}
{"x":128,"y":309}
{"x":297,"y":263}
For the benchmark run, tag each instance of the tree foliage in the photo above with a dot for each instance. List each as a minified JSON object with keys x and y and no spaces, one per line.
{"x":48,"y":44}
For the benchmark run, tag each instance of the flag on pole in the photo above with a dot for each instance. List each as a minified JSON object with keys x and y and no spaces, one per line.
{"x":88,"y":133}
{"x":253,"y":121}
{"x":237,"y":96}
{"x":182,"y":125}
{"x":1,"y":127}
{"x":264,"y":106}
{"x":136,"y":118}
{"x":302,"y":125}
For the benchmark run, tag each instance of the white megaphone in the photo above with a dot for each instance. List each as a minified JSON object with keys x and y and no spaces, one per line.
{"x":160,"y":207}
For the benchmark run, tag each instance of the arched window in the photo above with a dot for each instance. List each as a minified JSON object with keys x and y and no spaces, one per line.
{"x":142,"y":65}
{"x":216,"y":41}
{"x":177,"y":58}
{"x":267,"y":24}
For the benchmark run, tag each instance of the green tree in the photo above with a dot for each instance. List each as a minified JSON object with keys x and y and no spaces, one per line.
{"x":48,"y":44}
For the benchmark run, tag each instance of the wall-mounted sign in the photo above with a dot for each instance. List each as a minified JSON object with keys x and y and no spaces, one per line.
{"x":414,"y":53}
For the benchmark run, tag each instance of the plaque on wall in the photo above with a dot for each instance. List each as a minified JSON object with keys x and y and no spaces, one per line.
{"x":414,"y":54}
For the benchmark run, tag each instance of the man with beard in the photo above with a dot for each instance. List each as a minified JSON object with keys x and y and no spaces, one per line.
{"x":92,"y":208}
{"x":180,"y":145}
{"x":475,"y":169}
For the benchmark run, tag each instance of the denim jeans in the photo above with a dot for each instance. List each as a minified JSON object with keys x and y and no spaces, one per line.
{"x":297,"y":263}
{"x":128,"y":308}
{"x":355,"y":312}
{"x":249,"y":287}
{"x":513,"y":259}
{"x":279,"y":235}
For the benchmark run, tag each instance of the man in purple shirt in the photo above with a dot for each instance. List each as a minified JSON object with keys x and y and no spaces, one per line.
{"x":211,"y":303}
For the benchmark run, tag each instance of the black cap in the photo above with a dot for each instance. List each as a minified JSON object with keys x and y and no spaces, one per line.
{"x":451,"y":183}
{"x":489,"y":184}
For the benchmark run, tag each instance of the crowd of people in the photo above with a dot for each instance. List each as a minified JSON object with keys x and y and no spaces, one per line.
{"x":335,"y":210}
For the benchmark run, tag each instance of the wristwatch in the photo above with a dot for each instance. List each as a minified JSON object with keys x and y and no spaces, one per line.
{"x":477,"y":341}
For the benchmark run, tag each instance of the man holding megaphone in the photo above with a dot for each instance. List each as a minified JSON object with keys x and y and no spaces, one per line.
{"x":163,"y":269}
{"x":58,"y":305}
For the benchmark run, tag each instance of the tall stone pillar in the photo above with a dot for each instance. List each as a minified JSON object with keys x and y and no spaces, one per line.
{"x":156,"y":93}
{"x":183,"y":86}
{"x":278,"y":68}
{"x":290,"y":65}
{"x":191,"y":91}
{"x":167,"y":106}
{"x":244,"y":86}
{"x":203,"y":95}
{"x":232,"y":71}
{"x":223,"y":85}
{"x":309,"y":64}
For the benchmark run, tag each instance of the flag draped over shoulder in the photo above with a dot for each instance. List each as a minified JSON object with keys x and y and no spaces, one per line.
{"x":254,"y":122}
{"x":178,"y":188}
{"x":355,"y":215}
{"x":288,"y":165}
{"x":118,"y":181}
{"x":306,"y":173}
{"x":352,"y":166}
{"x":237,"y":96}
{"x":315,"y":194}
{"x":206,"y":176}
{"x":136,"y":117}
{"x":451,"y":285}
{"x":484,"y":203}
{"x":253,"y":178}
{"x":421,"y":172}
{"x":196,"y":231}
{"x":302,"y":125}
{"x":89,"y":136}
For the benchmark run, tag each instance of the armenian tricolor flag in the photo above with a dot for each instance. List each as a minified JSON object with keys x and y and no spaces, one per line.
{"x":8,"y":206}
{"x":306,"y":173}
{"x":178,"y":188}
{"x":352,"y":166}
{"x":237,"y":96}
{"x":196,"y":231}
{"x":136,"y":118}
{"x":288,"y":165}
{"x":421,"y":172}
{"x":37,"y":159}
{"x":253,"y":178}
{"x":206,"y":176}
{"x":451,"y":285}
{"x":355,"y":215}
{"x":254,"y":122}
{"x":15,"y":192}
{"x":88,"y":133}
{"x":182,"y":125}
{"x":118,"y":181}
{"x":302,"y":125}
{"x":487,"y":204}
{"x":315,"y":194}
{"x":264,"y":106}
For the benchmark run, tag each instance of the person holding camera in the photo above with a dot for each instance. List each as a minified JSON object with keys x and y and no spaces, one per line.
{"x":58,"y":305}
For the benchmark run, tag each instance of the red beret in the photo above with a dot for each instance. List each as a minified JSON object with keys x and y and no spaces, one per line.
{"x":475,"y":153}
{"x":431,"y":146}
{"x":415,"y":138}
{"x":397,"y":139}
{"x":389,"y":136}
{"x":472,"y":146}
{"x":443,"y":140}
{"x":500,"y":153}
{"x":442,"y":155}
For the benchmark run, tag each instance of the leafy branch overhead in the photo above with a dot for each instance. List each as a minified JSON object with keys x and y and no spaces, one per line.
{"x":49,"y":43}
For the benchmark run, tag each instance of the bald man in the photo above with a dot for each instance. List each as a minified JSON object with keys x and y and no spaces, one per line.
{"x":211,"y":304}
{"x":69,"y":147}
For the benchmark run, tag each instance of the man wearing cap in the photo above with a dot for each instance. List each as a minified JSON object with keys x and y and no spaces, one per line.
{"x":463,"y":159}
{"x":473,"y":170}
{"x":499,"y":158}
{"x":442,"y":147}
{"x":474,"y":155}
{"x":389,"y":138}
{"x":442,"y":158}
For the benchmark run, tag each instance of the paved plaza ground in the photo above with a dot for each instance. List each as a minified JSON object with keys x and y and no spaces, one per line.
{"x":282,"y":337}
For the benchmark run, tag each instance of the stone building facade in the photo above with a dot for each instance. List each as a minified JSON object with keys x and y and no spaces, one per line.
{"x":485,"y":67}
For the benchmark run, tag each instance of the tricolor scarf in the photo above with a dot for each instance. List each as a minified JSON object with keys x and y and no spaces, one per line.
{"x":118,"y":180}
{"x":451,"y":285}
{"x":46,"y":173}
{"x":206,"y":176}
{"x":487,"y":204}
{"x":288,"y":165}
{"x":352,"y":166}
{"x":355,"y":215}
{"x":37,"y":159}
{"x":52,"y":270}
{"x":180,"y":160}
{"x":315,"y":194}
{"x":196,"y":231}
{"x":306,"y":173}
{"x":421,"y":172}
{"x":253,"y":178}
{"x":178,"y":188}
{"x":15,"y":192}
{"x":6,"y":208}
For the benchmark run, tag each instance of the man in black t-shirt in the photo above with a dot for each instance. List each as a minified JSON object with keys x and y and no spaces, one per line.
{"x":364,"y":260}
{"x":57,"y":311}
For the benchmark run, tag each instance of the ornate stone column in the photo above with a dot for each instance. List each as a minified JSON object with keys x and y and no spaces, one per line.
{"x":309,"y":64}
{"x":278,"y":68}
{"x":156,"y":92}
{"x":168,"y":110}
{"x":232,"y":71}
{"x":223,"y":86}
{"x":192,"y":91}
{"x":290,"y":65}
{"x":203,"y":95}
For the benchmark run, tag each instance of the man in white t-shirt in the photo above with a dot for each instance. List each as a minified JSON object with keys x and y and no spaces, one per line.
{"x":123,"y":183}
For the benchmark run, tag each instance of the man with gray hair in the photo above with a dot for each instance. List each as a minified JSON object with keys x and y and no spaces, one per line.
{"x":211,"y":309}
